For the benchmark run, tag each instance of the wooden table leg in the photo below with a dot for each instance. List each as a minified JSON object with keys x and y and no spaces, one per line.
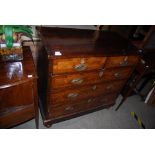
{"x":36,"y":107}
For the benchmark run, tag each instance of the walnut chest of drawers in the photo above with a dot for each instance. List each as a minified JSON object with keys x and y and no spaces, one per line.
{"x":79,"y":73}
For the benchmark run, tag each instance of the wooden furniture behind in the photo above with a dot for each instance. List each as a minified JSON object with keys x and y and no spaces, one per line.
{"x":79,"y":74}
{"x":144,"y":70}
{"x":18,"y":91}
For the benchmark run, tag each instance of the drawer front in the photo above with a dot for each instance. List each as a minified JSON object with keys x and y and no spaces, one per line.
{"x":121,"y":61}
{"x":83,"y":105}
{"x":78,"y":79}
{"x":101,"y":100}
{"x":76,"y":64}
{"x":16,"y":96}
{"x":65,"y":110}
{"x":16,"y":117}
{"x":72,"y":95}
{"x":119,"y":73}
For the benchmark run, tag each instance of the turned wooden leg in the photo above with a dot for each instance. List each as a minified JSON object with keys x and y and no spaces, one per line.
{"x":36,"y":107}
{"x":37,"y":122}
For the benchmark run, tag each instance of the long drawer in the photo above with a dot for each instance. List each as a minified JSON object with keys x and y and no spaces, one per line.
{"x":83,"y":105}
{"x":84,"y":78}
{"x":71,"y":95}
{"x":76,"y":64}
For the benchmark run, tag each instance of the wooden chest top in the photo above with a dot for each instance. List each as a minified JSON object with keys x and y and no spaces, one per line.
{"x":63,"y":42}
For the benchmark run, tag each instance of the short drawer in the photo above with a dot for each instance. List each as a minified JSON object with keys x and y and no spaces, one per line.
{"x":118,"y":73}
{"x":76,"y":64}
{"x":121,"y":61}
{"x":78,"y":79}
{"x":72,"y":95}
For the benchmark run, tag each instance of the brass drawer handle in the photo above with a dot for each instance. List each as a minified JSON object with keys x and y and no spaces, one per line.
{"x":94,"y":87}
{"x":77,"y":81}
{"x":104,"y":100}
{"x":72,"y":95}
{"x":117,"y":75}
{"x":124,"y":62}
{"x":69,"y":108}
{"x":89,"y":100}
{"x":80,"y":67}
{"x":109,"y":87}
{"x":101,"y":73}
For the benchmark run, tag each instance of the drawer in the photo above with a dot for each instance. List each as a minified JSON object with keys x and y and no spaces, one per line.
{"x":108,"y":99}
{"x":16,"y":117}
{"x":66,"y":110}
{"x":83,"y":105}
{"x":76,"y":64}
{"x":118,"y":73}
{"x":16,"y":96}
{"x":121,"y":61}
{"x":84,"y":78}
{"x":72,"y":95}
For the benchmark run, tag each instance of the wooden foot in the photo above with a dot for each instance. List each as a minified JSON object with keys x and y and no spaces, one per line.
{"x":47,"y":124}
{"x":37,"y":122}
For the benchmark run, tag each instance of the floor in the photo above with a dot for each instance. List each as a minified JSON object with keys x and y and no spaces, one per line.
{"x":107,"y":118}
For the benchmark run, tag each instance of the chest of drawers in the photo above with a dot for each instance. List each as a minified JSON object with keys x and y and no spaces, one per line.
{"x":18,"y":91}
{"x":79,"y":74}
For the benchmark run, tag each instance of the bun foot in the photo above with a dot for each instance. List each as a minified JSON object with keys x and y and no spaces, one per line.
{"x":47,"y":124}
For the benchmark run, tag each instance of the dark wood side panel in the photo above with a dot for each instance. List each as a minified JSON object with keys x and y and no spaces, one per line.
{"x":42,"y":71}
